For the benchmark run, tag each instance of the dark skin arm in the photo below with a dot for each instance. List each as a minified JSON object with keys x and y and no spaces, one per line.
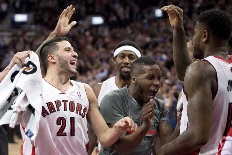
{"x":166,"y":133}
{"x":127,"y":143}
{"x":181,"y":56}
{"x":200,"y":85}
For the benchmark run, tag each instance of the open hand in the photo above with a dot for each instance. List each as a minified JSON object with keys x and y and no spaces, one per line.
{"x":175,"y":15}
{"x":63,"y":26}
{"x":148,"y":113}
{"x":125,"y":124}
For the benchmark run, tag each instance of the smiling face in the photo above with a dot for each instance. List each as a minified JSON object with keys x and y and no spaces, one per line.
{"x":66,"y":58}
{"x":123,"y":63}
{"x":146,"y":82}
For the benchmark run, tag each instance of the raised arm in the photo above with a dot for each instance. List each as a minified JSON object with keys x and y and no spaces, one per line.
{"x":107,"y":136}
{"x":199,"y":110}
{"x":181,"y":56}
{"x":63,"y":26}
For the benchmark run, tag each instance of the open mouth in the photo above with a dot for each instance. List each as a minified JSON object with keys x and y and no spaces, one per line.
{"x":152,"y":94}
{"x":73,"y":62}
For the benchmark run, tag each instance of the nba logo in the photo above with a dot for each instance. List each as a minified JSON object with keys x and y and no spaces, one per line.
{"x":78,"y":94}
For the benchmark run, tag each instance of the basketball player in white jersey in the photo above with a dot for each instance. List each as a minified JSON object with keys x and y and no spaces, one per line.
{"x":67,"y":106}
{"x":207,"y":83}
{"x":125,"y":52}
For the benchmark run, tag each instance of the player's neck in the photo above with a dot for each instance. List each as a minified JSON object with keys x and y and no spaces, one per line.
{"x":60,"y":82}
{"x":120,"y":82}
{"x":217,"y":51}
{"x":134,"y":94}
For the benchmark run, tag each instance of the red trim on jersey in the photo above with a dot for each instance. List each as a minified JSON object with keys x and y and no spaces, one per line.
{"x":230,"y":132}
{"x":33,"y":150}
{"x":196,"y":152}
{"x":151,"y":132}
{"x":87,"y":147}
{"x":21,"y":148}
{"x":229,"y":61}
{"x":221,"y":145}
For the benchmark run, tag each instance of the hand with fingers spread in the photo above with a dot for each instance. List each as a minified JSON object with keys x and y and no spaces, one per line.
{"x":148,"y":113}
{"x":125,"y":124}
{"x":175,"y":15}
{"x":19,"y":58}
{"x":63,"y":25}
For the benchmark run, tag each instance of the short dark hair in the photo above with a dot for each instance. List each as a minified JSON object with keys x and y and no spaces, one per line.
{"x":140,"y":62}
{"x":48,"y":48}
{"x":217,"y":22}
{"x":128,"y":42}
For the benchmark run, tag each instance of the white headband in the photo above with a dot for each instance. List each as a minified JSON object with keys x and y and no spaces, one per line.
{"x":127,"y":48}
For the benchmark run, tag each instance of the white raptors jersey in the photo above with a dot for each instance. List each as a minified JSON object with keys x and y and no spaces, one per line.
{"x":184,"y":117}
{"x":225,"y":146}
{"x":63,"y":124}
{"x":107,"y":86}
{"x":222,"y":104}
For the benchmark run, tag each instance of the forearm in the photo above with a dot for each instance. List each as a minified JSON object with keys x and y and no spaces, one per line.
{"x":186,"y":143}
{"x":92,"y":139}
{"x":109,"y":137}
{"x":181,"y":55}
{"x":128,"y":143}
{"x":175,"y":133}
{"x":51,"y":36}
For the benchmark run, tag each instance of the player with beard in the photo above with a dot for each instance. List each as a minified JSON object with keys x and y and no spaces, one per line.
{"x":207,"y":83}
{"x":67,"y":105}
{"x":138,"y":102}
{"x":125,"y":52}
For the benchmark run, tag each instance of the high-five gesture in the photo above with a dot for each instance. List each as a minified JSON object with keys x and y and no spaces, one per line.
{"x":63,"y":25}
{"x":175,"y":15}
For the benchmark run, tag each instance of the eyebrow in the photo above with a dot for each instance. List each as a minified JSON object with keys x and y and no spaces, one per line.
{"x":68,"y":48}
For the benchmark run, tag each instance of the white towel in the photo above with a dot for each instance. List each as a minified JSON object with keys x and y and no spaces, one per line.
{"x":21,"y":96}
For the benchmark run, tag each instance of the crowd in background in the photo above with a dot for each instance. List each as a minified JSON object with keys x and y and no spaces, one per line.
{"x":124,"y":19}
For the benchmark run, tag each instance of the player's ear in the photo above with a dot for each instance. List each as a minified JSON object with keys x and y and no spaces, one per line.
{"x":51,"y":58}
{"x":133,"y":78}
{"x":205,"y":35}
